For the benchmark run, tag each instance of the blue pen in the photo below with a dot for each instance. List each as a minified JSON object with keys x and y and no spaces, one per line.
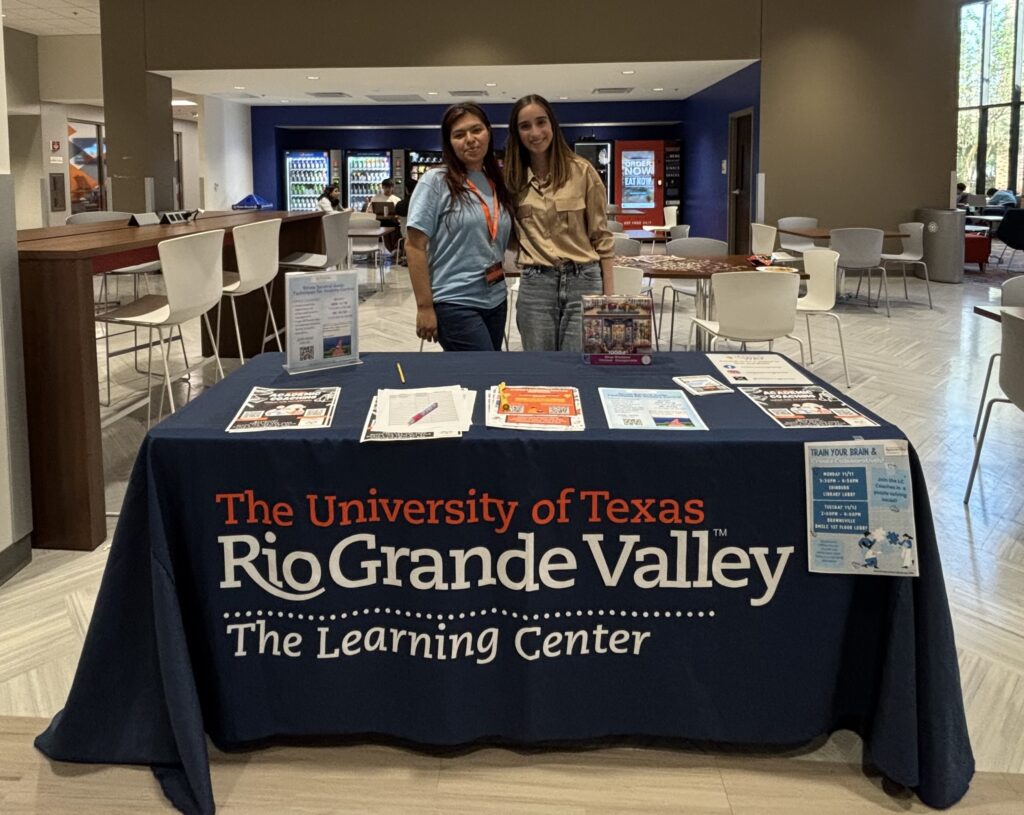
{"x":424,"y":412}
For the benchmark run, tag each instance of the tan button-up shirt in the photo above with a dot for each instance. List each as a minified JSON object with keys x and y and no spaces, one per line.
{"x":569,"y":224}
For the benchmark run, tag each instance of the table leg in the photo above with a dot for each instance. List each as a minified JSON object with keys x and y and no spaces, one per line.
{"x":702,"y":307}
{"x":62,"y":390}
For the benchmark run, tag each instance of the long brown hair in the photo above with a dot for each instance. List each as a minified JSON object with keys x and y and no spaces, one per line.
{"x":455,"y":176}
{"x":517,"y":157}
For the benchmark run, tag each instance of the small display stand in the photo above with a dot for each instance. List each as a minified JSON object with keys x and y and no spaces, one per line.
{"x":322,"y":311}
{"x":618,"y":329}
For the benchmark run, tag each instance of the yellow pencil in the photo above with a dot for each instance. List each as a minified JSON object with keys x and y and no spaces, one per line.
{"x":400,"y":374}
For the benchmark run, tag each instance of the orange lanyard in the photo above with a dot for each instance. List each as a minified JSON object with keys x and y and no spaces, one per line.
{"x":492,"y":222}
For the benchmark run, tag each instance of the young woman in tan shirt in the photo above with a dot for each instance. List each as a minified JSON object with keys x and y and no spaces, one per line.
{"x":565,"y":248}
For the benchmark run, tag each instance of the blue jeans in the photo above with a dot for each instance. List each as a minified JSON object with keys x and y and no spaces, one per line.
{"x":465,"y":328}
{"x":549,"y":307}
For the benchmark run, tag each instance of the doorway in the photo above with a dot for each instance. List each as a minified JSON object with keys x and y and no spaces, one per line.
{"x":87,"y":157}
{"x":740,"y":179}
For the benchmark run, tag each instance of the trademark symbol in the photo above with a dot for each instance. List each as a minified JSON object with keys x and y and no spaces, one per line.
{"x":721,"y":533}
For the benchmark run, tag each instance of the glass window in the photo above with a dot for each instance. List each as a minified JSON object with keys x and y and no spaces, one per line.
{"x":997,"y":148}
{"x":85,"y":167}
{"x":1000,"y":38}
{"x":967,"y":149}
{"x":972,"y":29}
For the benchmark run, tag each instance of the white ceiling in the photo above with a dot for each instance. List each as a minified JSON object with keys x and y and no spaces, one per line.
{"x":53,"y":17}
{"x":677,"y":80}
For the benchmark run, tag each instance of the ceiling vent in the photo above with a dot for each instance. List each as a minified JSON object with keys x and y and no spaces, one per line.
{"x":329,"y":94}
{"x":237,"y":95}
{"x":395,"y":98}
{"x":467,"y":93}
{"x":609,"y":91}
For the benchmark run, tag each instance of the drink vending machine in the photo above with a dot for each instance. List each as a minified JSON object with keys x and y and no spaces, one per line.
{"x":306,"y":173}
{"x":365,"y":169}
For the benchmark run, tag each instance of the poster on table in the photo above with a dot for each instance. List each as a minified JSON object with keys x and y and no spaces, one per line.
{"x":757,"y":369}
{"x":812,"y":406}
{"x":285,"y":409}
{"x":322,"y":313}
{"x":860,"y":508}
{"x":631,"y":409}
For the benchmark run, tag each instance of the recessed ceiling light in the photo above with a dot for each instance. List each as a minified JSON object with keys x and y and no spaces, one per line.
{"x":657,"y":89}
{"x":629,"y":73}
{"x":284,"y":101}
{"x":182,"y":103}
{"x":491,"y":84}
{"x":431,"y":93}
{"x":239,"y":87}
{"x":312,"y":77}
{"x":563,"y":97}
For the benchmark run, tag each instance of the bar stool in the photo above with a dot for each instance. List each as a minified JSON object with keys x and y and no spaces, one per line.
{"x":256,"y":251}
{"x":194,"y":277}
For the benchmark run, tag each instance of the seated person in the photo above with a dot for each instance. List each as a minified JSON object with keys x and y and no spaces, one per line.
{"x":961,"y":194}
{"x":387,"y":196}
{"x":1001,"y":197}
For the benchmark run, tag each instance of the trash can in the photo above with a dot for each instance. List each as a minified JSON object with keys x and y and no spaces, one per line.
{"x":943,"y":244}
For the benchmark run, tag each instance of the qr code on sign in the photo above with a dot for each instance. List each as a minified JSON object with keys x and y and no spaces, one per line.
{"x":632,"y":421}
{"x":559,"y":410}
{"x":305,"y":353}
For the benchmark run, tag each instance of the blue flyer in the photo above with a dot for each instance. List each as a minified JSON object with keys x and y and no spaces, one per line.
{"x":860,"y":508}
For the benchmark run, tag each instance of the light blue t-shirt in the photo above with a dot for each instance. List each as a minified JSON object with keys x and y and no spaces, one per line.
{"x":460,"y":248}
{"x":998,"y":197}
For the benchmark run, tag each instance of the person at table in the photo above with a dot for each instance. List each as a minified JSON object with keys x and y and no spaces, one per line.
{"x":998,"y":198}
{"x":961,"y":194}
{"x":386,"y":196}
{"x":330,"y":199}
{"x":460,"y":220}
{"x":565,"y":247}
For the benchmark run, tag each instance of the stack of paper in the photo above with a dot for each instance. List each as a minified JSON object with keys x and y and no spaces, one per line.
{"x":524,"y":407}
{"x":419,"y":413}
{"x":285,"y":409}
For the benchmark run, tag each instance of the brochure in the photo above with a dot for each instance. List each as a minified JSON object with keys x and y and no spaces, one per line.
{"x":285,"y":409}
{"x":757,"y":369}
{"x":527,"y":407}
{"x":441,"y":409}
{"x":322,"y":314}
{"x":812,"y":406}
{"x":617,"y":329}
{"x":860,"y":508}
{"x":701,"y":385}
{"x":627,"y":409}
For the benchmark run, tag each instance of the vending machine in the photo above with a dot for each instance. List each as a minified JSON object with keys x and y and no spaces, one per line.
{"x":599,"y":154}
{"x":640,"y":167}
{"x":365,"y":169}
{"x":418,"y":162}
{"x":306,"y":173}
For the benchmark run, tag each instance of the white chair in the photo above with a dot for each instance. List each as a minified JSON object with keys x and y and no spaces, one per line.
{"x":193,"y":271}
{"x":671,"y":215}
{"x":626,"y":247}
{"x":686,"y":247}
{"x":821,"y":266}
{"x":913,"y":254}
{"x":753,"y":307}
{"x":627,"y":280}
{"x":336,"y":256}
{"x":1011,"y":380}
{"x":615,"y":227}
{"x":1012,"y":294}
{"x":679,"y":231}
{"x":793,"y":246}
{"x":370,"y":248}
{"x":512,"y":278}
{"x":861,"y":250}
{"x":762,"y":239}
{"x":256,"y":251}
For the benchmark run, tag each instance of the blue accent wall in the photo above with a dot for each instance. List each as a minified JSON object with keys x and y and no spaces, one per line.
{"x":705,"y":143}
{"x":703,"y":130}
{"x":279,"y":128}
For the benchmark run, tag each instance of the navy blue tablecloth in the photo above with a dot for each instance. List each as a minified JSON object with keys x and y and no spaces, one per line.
{"x":654,"y":583}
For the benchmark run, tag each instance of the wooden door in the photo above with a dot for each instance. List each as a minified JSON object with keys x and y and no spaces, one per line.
{"x":741,"y":182}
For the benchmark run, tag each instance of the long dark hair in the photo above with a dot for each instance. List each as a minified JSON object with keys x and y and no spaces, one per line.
{"x":456,"y":175}
{"x":517,"y":157}
{"x":327,"y":191}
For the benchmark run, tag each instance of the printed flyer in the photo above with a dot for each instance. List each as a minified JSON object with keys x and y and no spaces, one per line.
{"x":285,"y":409}
{"x":322,"y":317}
{"x":617,"y":329}
{"x":627,"y":409}
{"x":811,"y":406}
{"x":757,"y":369}
{"x":860,"y":508}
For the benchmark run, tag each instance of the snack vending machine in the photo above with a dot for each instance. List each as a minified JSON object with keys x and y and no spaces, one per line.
{"x":306,"y":173}
{"x":640,"y":167}
{"x":599,"y":154}
{"x":365,"y":169}
{"x":417,"y":162}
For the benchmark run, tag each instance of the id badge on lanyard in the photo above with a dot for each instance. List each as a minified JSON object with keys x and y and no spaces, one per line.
{"x":494,"y":274}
